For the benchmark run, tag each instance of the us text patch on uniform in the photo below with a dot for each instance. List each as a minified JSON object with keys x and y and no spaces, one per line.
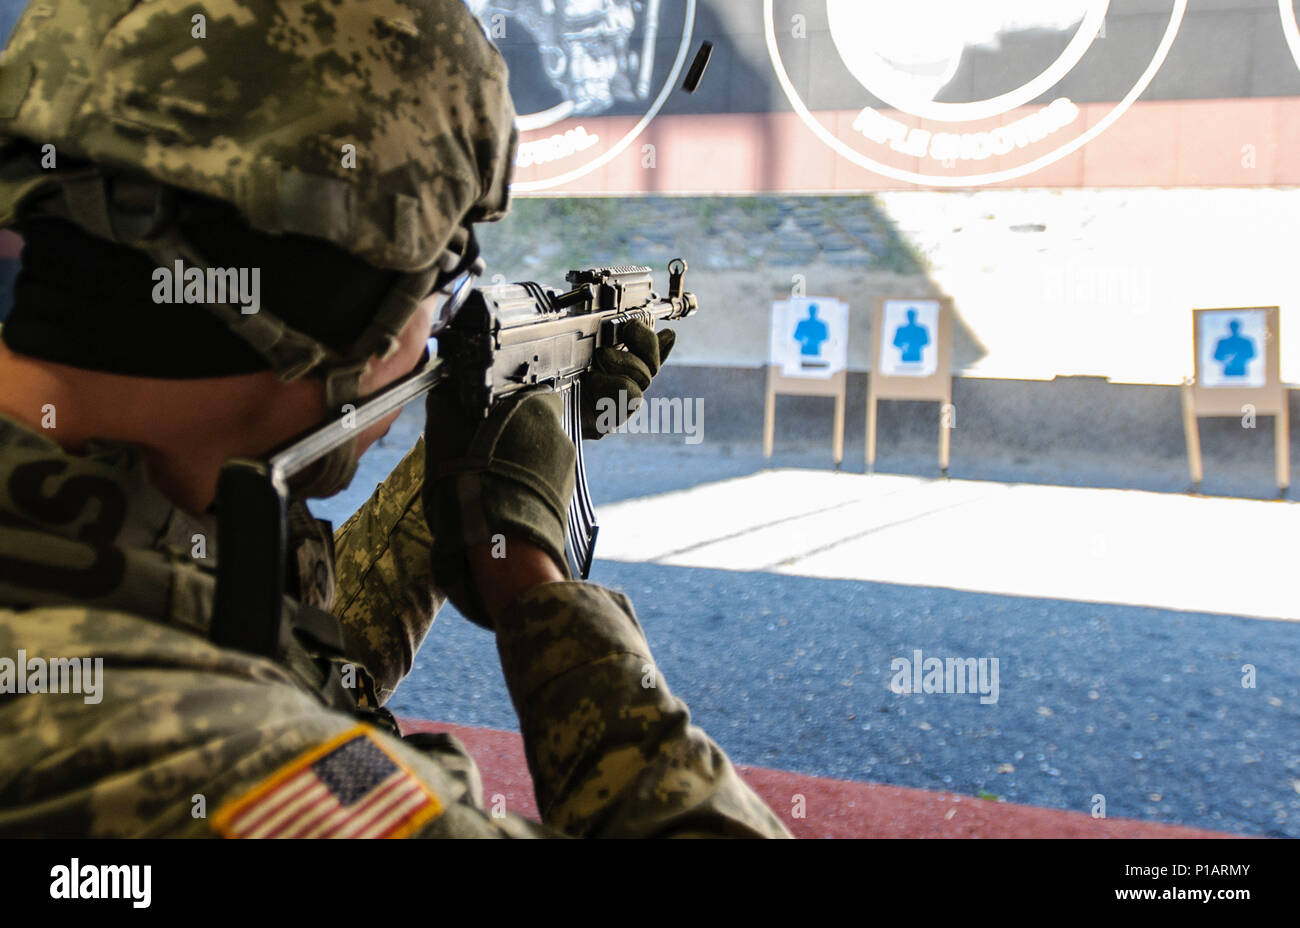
{"x":348,"y":787}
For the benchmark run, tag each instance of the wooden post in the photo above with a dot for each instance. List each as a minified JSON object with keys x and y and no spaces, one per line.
{"x":945,"y":435}
{"x":835,"y":386}
{"x":1191,"y":429}
{"x":1282,"y":444}
{"x":769,"y":414}
{"x":871,"y":423}
{"x":837,"y":430}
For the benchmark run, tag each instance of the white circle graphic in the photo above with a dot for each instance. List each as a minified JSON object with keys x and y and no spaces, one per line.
{"x":1290,"y":29}
{"x":850,"y":19}
{"x":524,"y":186}
{"x":991,"y":177}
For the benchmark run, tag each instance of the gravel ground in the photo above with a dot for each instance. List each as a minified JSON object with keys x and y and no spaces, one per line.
{"x":1143,"y":706}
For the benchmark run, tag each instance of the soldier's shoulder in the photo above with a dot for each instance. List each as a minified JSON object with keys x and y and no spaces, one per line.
{"x":123,"y":639}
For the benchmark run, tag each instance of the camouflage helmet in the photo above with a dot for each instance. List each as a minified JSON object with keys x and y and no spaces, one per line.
{"x":384,"y":127}
{"x":378,"y":125}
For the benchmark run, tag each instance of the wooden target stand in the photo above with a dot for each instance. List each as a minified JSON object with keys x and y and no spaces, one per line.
{"x":835,"y":386}
{"x":1267,"y":400}
{"x":936,"y":387}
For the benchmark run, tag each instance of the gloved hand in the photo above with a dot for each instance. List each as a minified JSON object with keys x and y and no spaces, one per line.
{"x":510,"y":474}
{"x":631,"y":371}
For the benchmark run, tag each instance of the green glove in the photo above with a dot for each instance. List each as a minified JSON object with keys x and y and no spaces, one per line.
{"x":630,"y":371}
{"x":510,"y":474}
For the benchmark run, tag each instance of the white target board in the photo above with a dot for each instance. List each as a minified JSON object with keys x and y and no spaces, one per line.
{"x":909,"y":336}
{"x":810,"y":336}
{"x":1232,"y":344}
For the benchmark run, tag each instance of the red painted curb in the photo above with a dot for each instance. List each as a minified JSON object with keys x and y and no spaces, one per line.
{"x":832,"y":808}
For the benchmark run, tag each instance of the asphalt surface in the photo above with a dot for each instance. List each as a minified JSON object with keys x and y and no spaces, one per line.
{"x":1143,"y":706}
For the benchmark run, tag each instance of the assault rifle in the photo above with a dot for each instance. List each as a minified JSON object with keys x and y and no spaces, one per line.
{"x":503,"y":338}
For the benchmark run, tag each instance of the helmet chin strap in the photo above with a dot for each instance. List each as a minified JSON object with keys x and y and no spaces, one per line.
{"x":332,"y":472}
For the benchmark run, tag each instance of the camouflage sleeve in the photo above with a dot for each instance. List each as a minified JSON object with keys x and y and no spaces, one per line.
{"x":385,"y":598}
{"x":167,"y":734}
{"x":611,"y":750}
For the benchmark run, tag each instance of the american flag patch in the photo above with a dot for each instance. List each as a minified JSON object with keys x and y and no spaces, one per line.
{"x":348,"y":787}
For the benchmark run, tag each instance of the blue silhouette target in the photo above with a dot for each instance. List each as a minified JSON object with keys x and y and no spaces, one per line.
{"x":908,"y":338}
{"x":809,"y":336}
{"x":810,"y":333}
{"x":1234,"y":351}
{"x":1232,"y":348}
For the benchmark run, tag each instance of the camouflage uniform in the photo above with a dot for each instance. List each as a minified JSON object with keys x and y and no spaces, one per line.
{"x":95,"y":562}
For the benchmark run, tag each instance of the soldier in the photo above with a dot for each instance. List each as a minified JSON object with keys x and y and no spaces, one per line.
{"x":343,"y":152}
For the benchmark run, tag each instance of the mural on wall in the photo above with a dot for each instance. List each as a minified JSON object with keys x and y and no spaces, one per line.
{"x":851,"y":96}
{"x":854,"y":96}
{"x":950,"y":93}
{"x":585,"y":51}
{"x":584,"y":58}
